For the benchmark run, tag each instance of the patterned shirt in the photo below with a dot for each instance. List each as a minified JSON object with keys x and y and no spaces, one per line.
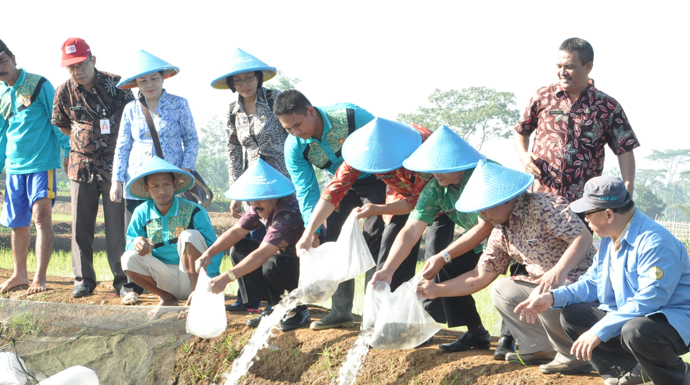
{"x":570,"y":137}
{"x":436,"y":200}
{"x":260,"y":134}
{"x":81,"y":111}
{"x":28,"y":141}
{"x":538,"y":232}
{"x":284,"y":226}
{"x":163,"y":230}
{"x":176,"y":132}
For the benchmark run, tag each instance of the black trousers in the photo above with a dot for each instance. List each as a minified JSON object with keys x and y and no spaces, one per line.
{"x":455,"y":311}
{"x":365,"y":190}
{"x":278,"y":274}
{"x":650,"y":341}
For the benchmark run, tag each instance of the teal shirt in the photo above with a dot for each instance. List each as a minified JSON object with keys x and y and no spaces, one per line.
{"x":29,"y":143}
{"x":302,"y":171}
{"x":163,"y":230}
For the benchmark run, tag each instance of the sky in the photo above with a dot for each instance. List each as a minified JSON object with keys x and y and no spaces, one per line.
{"x":385,"y":56}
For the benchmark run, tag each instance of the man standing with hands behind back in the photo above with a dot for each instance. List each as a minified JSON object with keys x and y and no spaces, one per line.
{"x":87,"y":108}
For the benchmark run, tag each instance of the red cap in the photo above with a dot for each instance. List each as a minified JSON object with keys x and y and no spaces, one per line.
{"x":74,"y":50}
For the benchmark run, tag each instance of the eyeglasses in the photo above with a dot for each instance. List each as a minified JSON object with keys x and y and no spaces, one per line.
{"x":246,"y":80}
{"x":593,"y":212}
{"x":78,"y":67}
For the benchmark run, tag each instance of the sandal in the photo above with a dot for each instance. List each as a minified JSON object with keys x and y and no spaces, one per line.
{"x":130,"y":298}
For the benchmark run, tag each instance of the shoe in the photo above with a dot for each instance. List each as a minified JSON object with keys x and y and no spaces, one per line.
{"x":254,"y":322}
{"x":536,"y":358}
{"x":81,"y":291}
{"x":332,"y":321}
{"x":467,"y":341}
{"x":635,"y":376}
{"x":574,"y":367}
{"x":241,"y":306}
{"x":506,"y":344}
{"x":297,"y":318}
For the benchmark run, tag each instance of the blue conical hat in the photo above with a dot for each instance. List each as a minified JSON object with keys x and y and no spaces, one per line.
{"x":444,"y":151}
{"x":242,"y":62}
{"x":490,"y":185}
{"x":260,"y":181}
{"x":380,"y":146}
{"x":143,"y":64}
{"x":157,"y":165}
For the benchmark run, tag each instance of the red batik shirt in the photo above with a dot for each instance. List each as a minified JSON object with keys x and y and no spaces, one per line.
{"x":570,"y":137}
{"x":400,"y":183}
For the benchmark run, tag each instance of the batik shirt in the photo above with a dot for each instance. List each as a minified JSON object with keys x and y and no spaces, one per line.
{"x":570,"y":137}
{"x":81,"y":112}
{"x":284,"y":226}
{"x":436,"y":200}
{"x":260,"y":134}
{"x":176,"y":132}
{"x":400,"y":183}
{"x":538,"y":232}
{"x":29,"y":143}
{"x":324,"y":154}
{"x":163,"y":230}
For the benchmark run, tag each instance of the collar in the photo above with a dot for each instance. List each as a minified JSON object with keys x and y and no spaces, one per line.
{"x":173,"y":212}
{"x":562,"y":93}
{"x":97,"y":83}
{"x":618,"y":241}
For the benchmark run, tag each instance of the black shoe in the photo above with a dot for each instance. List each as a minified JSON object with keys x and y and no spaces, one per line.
{"x":506,"y":344}
{"x":254,"y":322}
{"x":467,"y":341}
{"x":81,"y":291}
{"x":300,"y":318}
{"x":241,"y":306}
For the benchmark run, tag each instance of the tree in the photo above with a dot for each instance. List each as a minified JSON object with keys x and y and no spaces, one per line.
{"x":281,"y":82}
{"x":671,"y":159}
{"x":650,"y":178}
{"x":211,"y":163}
{"x":476,"y":113}
{"x":648,"y":202}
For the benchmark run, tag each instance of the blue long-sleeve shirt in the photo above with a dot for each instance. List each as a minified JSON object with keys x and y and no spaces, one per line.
{"x":653,"y":277}
{"x":28,"y":141}
{"x":326,"y":152}
{"x":163,"y":230}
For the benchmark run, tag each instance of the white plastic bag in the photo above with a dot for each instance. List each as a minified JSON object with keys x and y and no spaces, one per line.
{"x":324,"y":267}
{"x":11,"y":372}
{"x":206,"y":317}
{"x":76,"y":375}
{"x":401,"y":321}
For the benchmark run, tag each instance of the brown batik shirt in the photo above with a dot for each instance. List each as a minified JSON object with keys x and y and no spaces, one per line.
{"x":570,"y":137}
{"x":91,"y":156}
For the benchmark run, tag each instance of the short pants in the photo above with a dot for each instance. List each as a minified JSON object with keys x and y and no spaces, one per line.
{"x":21,"y":192}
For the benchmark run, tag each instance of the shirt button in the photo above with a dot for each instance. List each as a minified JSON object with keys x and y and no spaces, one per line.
{"x":148,"y":134}
{"x":148,"y":153}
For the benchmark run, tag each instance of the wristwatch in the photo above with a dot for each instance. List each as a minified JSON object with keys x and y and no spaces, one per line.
{"x":231,"y":275}
{"x":446,"y":256}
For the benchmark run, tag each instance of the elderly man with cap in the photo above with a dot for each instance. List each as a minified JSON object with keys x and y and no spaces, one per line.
{"x":316,"y":140}
{"x":368,"y":150}
{"x":572,"y":122}
{"x":451,"y":160}
{"x":167,"y":234}
{"x":537,"y":230}
{"x":629,"y":315}
{"x":266,"y":269}
{"x":31,"y":149}
{"x":87,"y":108}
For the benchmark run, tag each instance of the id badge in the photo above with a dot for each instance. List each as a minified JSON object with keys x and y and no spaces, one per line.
{"x":105,"y":126}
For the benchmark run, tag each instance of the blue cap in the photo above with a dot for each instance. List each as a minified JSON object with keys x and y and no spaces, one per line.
{"x":490,"y":185}
{"x":157,"y":165}
{"x":260,"y":181}
{"x":380,"y":146}
{"x":444,"y":151}
{"x":144,"y":63}
{"x":242,"y":62}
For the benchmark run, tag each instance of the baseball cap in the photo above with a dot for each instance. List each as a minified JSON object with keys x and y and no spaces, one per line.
{"x":602,"y":192}
{"x":74,"y":50}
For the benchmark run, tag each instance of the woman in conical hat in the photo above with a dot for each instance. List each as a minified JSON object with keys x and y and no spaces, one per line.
{"x":171,"y":117}
{"x":252,"y":129}
{"x":451,"y":160}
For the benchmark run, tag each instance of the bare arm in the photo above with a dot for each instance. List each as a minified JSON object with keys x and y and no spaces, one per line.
{"x":309,"y":239}
{"x":400,"y":207}
{"x":406,"y":239}
{"x":255,"y":259}
{"x":526,"y":157}
{"x":572,"y":256}
{"x":227,"y":240}
{"x":626,"y":162}
{"x":465,"y":284}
